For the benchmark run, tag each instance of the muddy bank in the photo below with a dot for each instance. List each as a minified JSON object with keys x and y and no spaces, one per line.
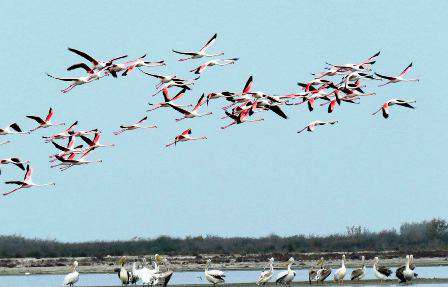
{"x":19,"y":266}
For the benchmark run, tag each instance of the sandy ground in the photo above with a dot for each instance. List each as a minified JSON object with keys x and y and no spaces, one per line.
{"x":22,"y":266}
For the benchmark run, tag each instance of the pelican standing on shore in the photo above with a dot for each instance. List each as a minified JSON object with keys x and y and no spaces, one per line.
{"x":323,"y":272}
{"x":408,"y":273}
{"x":71,"y":278}
{"x":340,"y":273}
{"x":286,"y":277}
{"x":266,"y":275}
{"x":213,"y":276}
{"x":381,"y":272}
{"x":312,"y":274}
{"x":122,"y":273}
{"x":358,"y":273}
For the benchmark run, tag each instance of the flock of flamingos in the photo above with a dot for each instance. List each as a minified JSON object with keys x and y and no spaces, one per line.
{"x":335,"y":87}
{"x":317,"y":273}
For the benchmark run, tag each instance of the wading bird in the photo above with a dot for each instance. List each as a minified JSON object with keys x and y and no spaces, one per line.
{"x":312,"y":126}
{"x":137,"y":125}
{"x":266,"y":275}
{"x":380,"y":272}
{"x":385,"y":107}
{"x":44,"y":123}
{"x":13,"y":160}
{"x":286,"y":277}
{"x":167,"y":100}
{"x":399,"y":78}
{"x":191,"y":114}
{"x":219,"y":62}
{"x":93,"y":75}
{"x":71,"y":278}
{"x":213,"y":276}
{"x":11,"y":129}
{"x":94,"y":144}
{"x":202,"y":52}
{"x":27,"y":182}
{"x":358,"y":273}
{"x":62,"y":135}
{"x":184,"y":137}
{"x":99,"y":65}
{"x":340,"y":273}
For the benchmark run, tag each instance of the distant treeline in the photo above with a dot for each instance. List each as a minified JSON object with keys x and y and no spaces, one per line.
{"x":426,"y":235}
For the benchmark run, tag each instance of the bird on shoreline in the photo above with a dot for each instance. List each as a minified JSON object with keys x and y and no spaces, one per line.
{"x":381,"y":272}
{"x":71,"y":278}
{"x":213,"y":276}
{"x":359,"y":273}
{"x":339,"y":274}
{"x":266,"y":275}
{"x":286,"y":277}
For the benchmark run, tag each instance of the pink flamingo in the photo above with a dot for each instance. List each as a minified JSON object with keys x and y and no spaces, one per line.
{"x":44,"y":123}
{"x":312,"y":126}
{"x":399,"y":78}
{"x":137,"y":125}
{"x":191,"y":114}
{"x":27,"y":182}
{"x":184,"y":137}
{"x":385,"y":107}
{"x":202,"y":52}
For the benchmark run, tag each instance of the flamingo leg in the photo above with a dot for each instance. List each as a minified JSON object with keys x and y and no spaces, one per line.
{"x":14,"y":190}
{"x":231,"y":124}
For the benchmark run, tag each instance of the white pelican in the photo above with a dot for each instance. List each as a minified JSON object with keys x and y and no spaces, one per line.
{"x":213,"y":276}
{"x":322,"y":273}
{"x":123,"y":274}
{"x":266,"y":275}
{"x":408,"y":273}
{"x":380,"y":272}
{"x":286,"y":277}
{"x":340,"y":273}
{"x":358,"y":273}
{"x":71,"y":278}
{"x":312,"y":273}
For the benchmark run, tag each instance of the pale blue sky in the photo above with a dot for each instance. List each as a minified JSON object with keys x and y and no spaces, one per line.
{"x":248,"y":180}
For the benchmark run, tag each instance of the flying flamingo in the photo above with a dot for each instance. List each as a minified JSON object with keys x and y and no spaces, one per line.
{"x":71,"y":161}
{"x":364,"y":65}
{"x":242,"y":117}
{"x":184,"y":137}
{"x":167,"y":99}
{"x":62,"y":135}
{"x":399,"y":78}
{"x":99,"y":65}
{"x":385,"y":107}
{"x":44,"y":123}
{"x":5,"y":142}
{"x":201,"y":53}
{"x":219,"y":62}
{"x":91,"y":76}
{"x":71,"y":148}
{"x":312,"y":126}
{"x":27,"y":182}
{"x":94,"y":144}
{"x":140,"y":62}
{"x":137,"y":125}
{"x":163,"y":79}
{"x":11,"y":129}
{"x":191,"y":114}
{"x":183,"y":85}
{"x":14,"y":160}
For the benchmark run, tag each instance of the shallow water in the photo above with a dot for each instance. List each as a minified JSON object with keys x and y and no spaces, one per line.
{"x":186,"y":278}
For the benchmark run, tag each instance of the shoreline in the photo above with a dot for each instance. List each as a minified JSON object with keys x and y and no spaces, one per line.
{"x":88,"y":265}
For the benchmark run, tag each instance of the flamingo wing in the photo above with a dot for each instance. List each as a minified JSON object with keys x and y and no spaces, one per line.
{"x":84,"y":55}
{"x":209,"y":43}
{"x":37,"y":119}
